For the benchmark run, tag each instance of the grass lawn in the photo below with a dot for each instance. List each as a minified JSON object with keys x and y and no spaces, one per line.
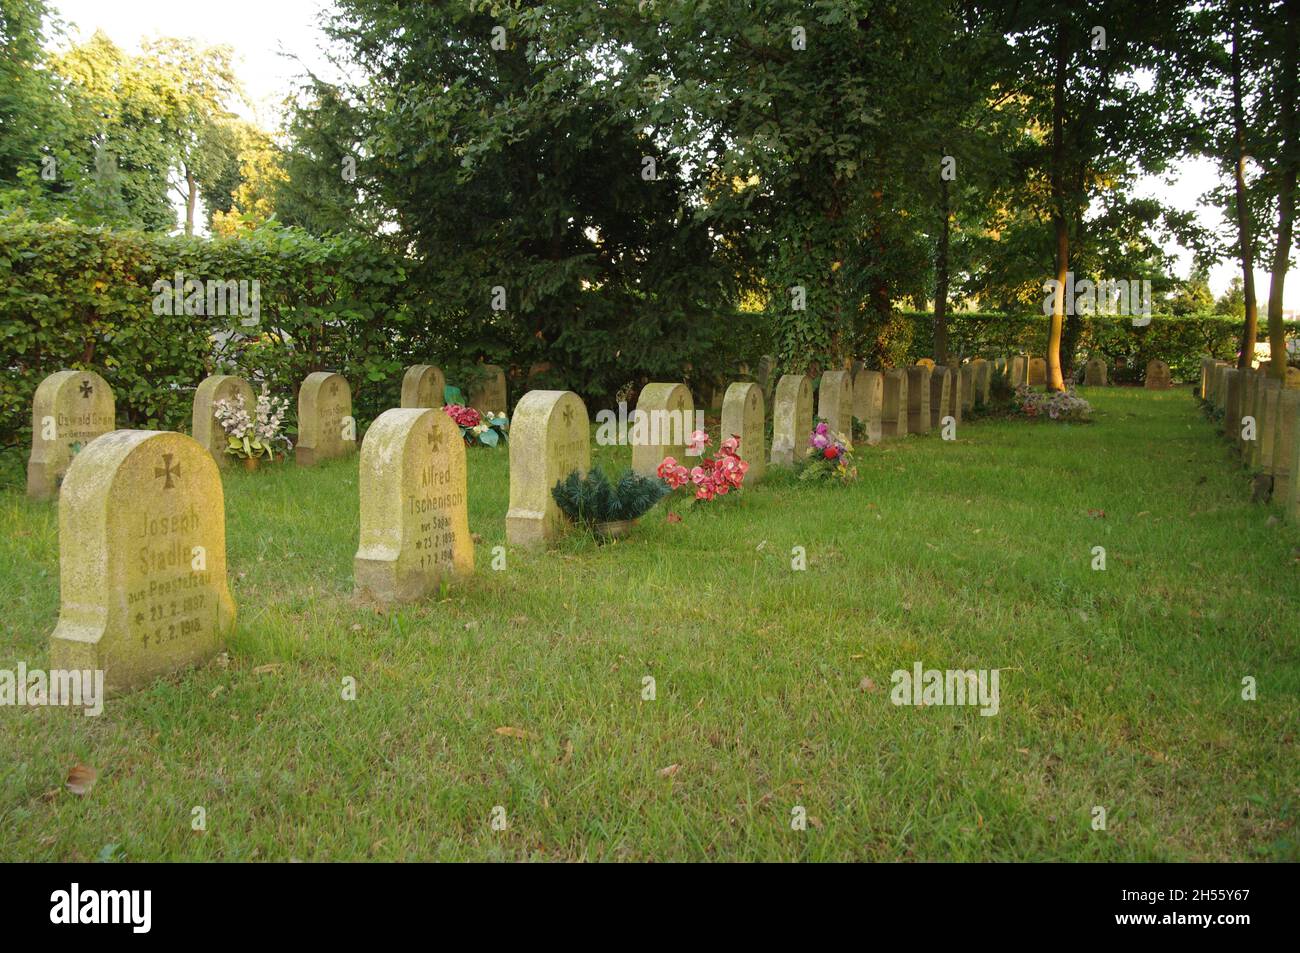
{"x":1119,"y":688}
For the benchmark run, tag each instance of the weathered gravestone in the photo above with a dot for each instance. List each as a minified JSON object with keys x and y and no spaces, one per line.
{"x":414,"y":516}
{"x":893,"y":413}
{"x":142,"y":559}
{"x":1158,"y":376}
{"x":1095,"y":372}
{"x":868,"y":401}
{"x":1266,"y":407}
{"x":744,"y":414}
{"x":765,"y":374}
{"x":1037,"y":372}
{"x":1207,"y":369}
{"x":204,"y":425}
{"x":1246,"y":404}
{"x":1018,"y":370}
{"x":966,"y":387}
{"x":550,"y":438}
{"x":918,"y":399}
{"x":69,"y":409}
{"x":1232,"y":378}
{"x":792,"y":419}
{"x":661,"y":426}
{"x":326,"y":428}
{"x":954,"y":408}
{"x":983,"y":380}
{"x":1284,"y":443}
{"x":940,"y":395}
{"x":423,"y":385}
{"x":835,"y":402}
{"x":487,"y":393}
{"x":925,"y":362}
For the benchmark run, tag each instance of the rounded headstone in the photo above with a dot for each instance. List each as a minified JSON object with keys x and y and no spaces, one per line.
{"x":744,"y":415}
{"x":204,"y":425}
{"x":414,"y":515}
{"x":142,"y":559}
{"x":661,"y":426}
{"x":835,"y":402}
{"x":326,"y":427}
{"x":792,"y":419}
{"x":550,"y":438}
{"x":69,"y":410}
{"x":423,"y":386}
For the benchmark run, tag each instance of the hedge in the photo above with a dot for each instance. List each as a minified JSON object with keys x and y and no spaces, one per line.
{"x":1180,"y":341}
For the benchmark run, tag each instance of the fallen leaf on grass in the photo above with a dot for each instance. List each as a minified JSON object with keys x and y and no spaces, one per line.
{"x":1097,"y":514}
{"x":268,"y":669}
{"x":672,"y":518}
{"x":475,"y":538}
{"x":670,"y":771}
{"x":866,"y":685}
{"x":81,"y":779}
{"x":511,"y":732}
{"x":216,"y":691}
{"x":815,"y":821}
{"x":568,"y":752}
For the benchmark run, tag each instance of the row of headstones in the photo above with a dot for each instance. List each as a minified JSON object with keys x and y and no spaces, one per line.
{"x":142,"y":560}
{"x":72,"y":408}
{"x":1032,"y":372}
{"x":1261,"y":418}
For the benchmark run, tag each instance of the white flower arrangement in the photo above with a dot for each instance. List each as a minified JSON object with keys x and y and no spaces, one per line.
{"x":255,"y":434}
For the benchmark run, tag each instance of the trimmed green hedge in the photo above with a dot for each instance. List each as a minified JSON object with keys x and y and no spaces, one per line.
{"x":78,"y":297}
{"x":1179,"y":341}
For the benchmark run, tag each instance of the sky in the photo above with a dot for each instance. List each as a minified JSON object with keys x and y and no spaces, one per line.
{"x":262,"y":31}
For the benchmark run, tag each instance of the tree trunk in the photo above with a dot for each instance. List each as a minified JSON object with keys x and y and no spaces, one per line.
{"x":1245,"y":236}
{"x":1055,"y":382}
{"x":191,"y":199}
{"x":1285,"y":197}
{"x":941,"y":278}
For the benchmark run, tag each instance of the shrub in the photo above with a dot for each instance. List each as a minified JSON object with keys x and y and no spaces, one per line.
{"x":593,"y":499}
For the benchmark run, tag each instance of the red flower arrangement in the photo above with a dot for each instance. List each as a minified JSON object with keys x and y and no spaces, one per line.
{"x":717,"y":476}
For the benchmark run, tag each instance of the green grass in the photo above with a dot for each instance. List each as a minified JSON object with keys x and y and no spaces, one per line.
{"x":1118,"y":688}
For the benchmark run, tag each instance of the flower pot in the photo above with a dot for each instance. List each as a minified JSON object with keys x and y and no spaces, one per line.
{"x":250,"y":464}
{"x":612,"y":529}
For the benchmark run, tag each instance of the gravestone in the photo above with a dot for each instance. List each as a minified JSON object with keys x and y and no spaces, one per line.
{"x":142,"y":559}
{"x":966,"y":387}
{"x":1246,"y":402}
{"x":69,"y":410}
{"x":1157,"y":376}
{"x":744,"y":414}
{"x":326,"y":428}
{"x":204,"y":425}
{"x":765,"y":374}
{"x":423,"y":385}
{"x":1232,"y":378}
{"x":1284,"y":443}
{"x":925,"y":362}
{"x":1207,"y":371}
{"x":954,"y":408}
{"x":1037,"y":372}
{"x":893,"y":412}
{"x":1018,"y":374}
{"x":868,"y":401}
{"x":918,"y":399}
{"x":792,"y":419}
{"x":940,"y":395}
{"x":1095,"y":372}
{"x":661,"y":426}
{"x":1266,"y":407}
{"x":835,"y":402}
{"x":550,"y":438}
{"x":487,"y":393}
{"x":414,"y":516}
{"x":983,"y":380}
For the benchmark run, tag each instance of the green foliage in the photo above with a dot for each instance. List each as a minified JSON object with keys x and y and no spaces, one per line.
{"x":593,"y":499}
{"x":78,"y":297}
{"x":1180,"y":342}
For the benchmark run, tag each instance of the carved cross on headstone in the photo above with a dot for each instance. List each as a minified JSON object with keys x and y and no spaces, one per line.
{"x":334,"y":388}
{"x":87,"y":388}
{"x":168,"y":470}
{"x":568,"y":417}
{"x":435,"y":439}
